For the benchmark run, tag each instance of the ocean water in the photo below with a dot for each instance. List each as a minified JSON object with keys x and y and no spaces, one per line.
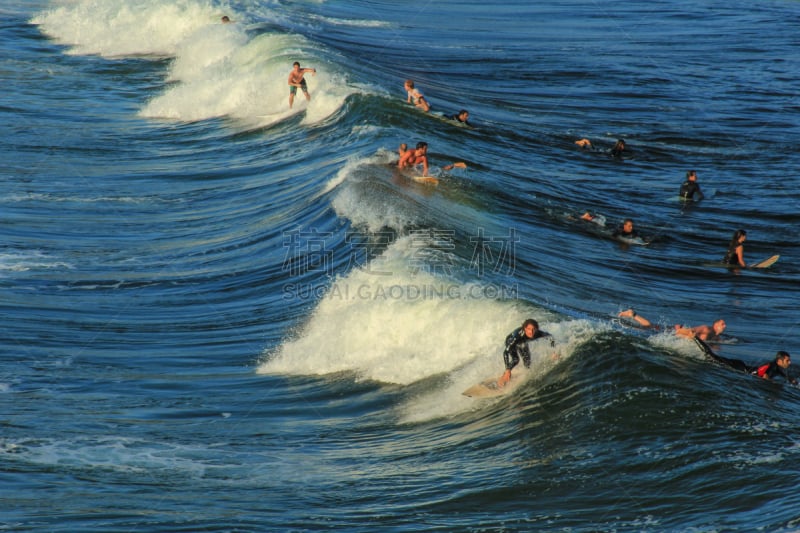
{"x":222,"y":314}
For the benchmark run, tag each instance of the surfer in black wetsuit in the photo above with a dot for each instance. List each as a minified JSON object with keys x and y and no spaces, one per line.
{"x":618,"y":149}
{"x":462,"y":117}
{"x":690,"y":190}
{"x":777,"y":367}
{"x":517,"y":346}
{"x":735,"y":254}
{"x":626,"y":230}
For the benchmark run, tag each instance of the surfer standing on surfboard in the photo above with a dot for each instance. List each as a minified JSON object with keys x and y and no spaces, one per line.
{"x":517,"y":347}
{"x":296,"y":80}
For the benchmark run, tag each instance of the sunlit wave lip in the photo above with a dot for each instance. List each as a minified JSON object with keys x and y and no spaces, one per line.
{"x":217,"y":71}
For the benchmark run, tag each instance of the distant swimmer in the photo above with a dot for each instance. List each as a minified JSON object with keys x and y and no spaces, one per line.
{"x":735,"y":254}
{"x":226,"y":19}
{"x":296,"y":80}
{"x":777,"y":367}
{"x":618,"y":149}
{"x":690,"y":190}
{"x":626,"y":230}
{"x":415,"y":97}
{"x":704,"y":332}
{"x":517,"y":347}
{"x":415,"y":157}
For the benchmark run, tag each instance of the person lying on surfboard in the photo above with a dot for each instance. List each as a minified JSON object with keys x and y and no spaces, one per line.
{"x":517,"y":347}
{"x":415,"y":97}
{"x":462,"y":117}
{"x":702,"y":331}
{"x":412,"y":158}
{"x":777,"y":367}
{"x":616,"y":151}
{"x":626,"y":230}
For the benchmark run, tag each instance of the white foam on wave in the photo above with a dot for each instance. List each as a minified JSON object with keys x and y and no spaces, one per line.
{"x":29,"y":260}
{"x":448,"y":400}
{"x":388,"y":323}
{"x":111,"y":28}
{"x":218,"y":71}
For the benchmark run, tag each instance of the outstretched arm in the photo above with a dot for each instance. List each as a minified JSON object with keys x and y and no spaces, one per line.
{"x":642,"y":321}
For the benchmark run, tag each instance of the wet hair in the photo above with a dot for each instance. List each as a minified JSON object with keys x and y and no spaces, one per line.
{"x":691,"y":174}
{"x":738,"y":234}
{"x":422,"y":144}
{"x":782,"y":355}
{"x":410,"y":83}
{"x":463,"y":111}
{"x":296,"y":64}
{"x":530,"y":322}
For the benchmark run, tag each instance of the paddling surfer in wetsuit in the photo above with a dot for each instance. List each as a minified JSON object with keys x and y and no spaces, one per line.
{"x":777,"y":367}
{"x":517,"y":346}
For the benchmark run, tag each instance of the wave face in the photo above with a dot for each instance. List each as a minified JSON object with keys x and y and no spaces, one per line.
{"x":223,"y":313}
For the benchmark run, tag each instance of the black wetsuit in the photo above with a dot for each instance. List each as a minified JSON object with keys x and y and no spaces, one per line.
{"x":619,"y":232}
{"x":730,"y":256}
{"x":517,"y":346}
{"x":769,"y":370}
{"x":689,"y":189}
{"x":455,"y":118}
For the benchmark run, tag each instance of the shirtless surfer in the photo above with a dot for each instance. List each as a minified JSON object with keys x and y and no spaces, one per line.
{"x":296,"y":80}
{"x":417,"y":156}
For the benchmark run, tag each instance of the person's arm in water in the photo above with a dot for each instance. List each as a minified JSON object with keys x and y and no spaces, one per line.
{"x":642,"y":321}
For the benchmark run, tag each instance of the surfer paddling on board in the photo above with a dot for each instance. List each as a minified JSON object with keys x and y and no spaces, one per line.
{"x":517,"y":347}
{"x":415,"y":97}
{"x":462,"y":117}
{"x":626,"y":230}
{"x":702,"y":332}
{"x":417,"y":156}
{"x":616,"y":151}
{"x":777,"y":367}
{"x":296,"y":80}
{"x":410,"y":158}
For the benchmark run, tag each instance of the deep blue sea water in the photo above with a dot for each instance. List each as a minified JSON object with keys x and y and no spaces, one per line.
{"x":220,"y":314}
